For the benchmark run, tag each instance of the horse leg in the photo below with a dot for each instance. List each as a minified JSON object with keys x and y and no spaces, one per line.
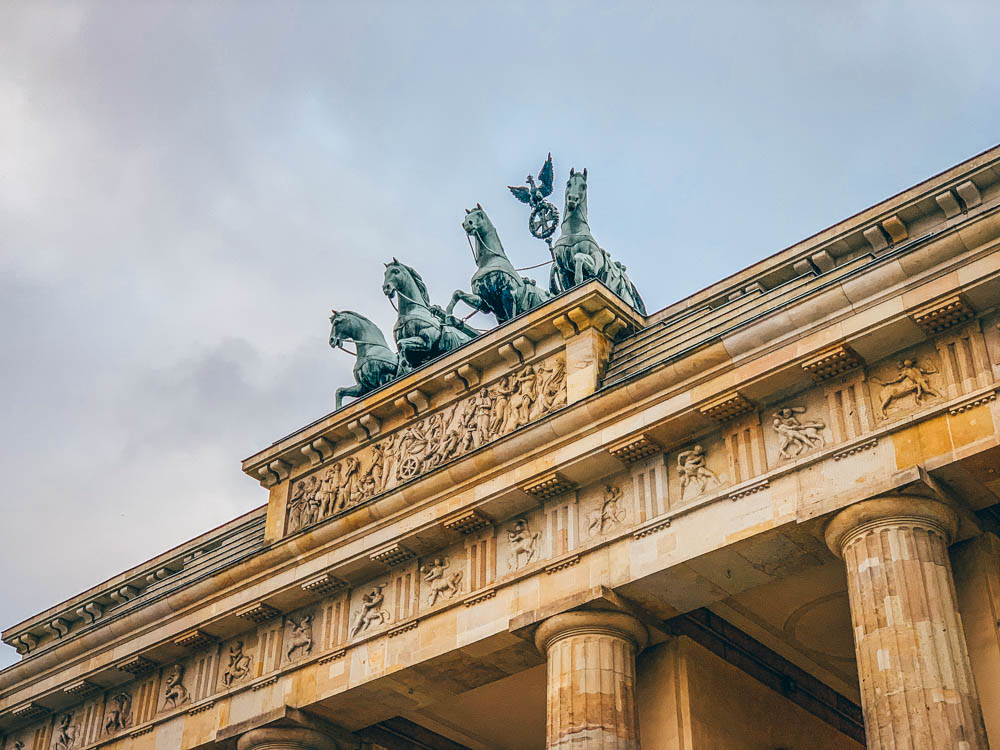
{"x":415,"y":344}
{"x":582,"y":261}
{"x":472,"y":300}
{"x":355,"y":391}
{"x":508,"y":304}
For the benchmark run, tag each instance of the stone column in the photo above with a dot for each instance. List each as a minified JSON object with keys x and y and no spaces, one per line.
{"x":917,"y":689}
{"x":286,"y":738}
{"x":591,"y":680}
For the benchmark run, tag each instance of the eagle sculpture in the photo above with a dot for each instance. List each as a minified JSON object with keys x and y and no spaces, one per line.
{"x":532,"y":194}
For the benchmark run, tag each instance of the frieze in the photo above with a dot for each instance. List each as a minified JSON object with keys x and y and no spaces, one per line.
{"x":118,"y":715}
{"x":237,"y":666}
{"x":298,"y":636}
{"x":909,"y":389}
{"x":175,"y":693}
{"x":441,"y":584}
{"x":488,"y":413}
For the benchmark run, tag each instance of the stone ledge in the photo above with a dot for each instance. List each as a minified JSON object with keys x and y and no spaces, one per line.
{"x":264,"y":683}
{"x":652,"y":528}
{"x":942,"y":314}
{"x":548,"y":485}
{"x":727,"y":407}
{"x":980,"y":400}
{"x":831,"y":362}
{"x":562,"y":564}
{"x":747,"y":490}
{"x":338,"y":654}
{"x":866,"y":445}
{"x":634,"y":448}
{"x":258,"y":612}
{"x":466,"y":522}
{"x":479,"y":597}
{"x":200,"y":707}
{"x":404,"y":628}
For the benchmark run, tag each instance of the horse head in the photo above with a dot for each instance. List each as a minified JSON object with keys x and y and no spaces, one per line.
{"x":351,"y":326}
{"x":576,"y":192}
{"x":341,"y":328}
{"x":403,"y":280}
{"x":476,"y":223}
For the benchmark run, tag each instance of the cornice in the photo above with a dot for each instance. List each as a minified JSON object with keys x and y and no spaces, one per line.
{"x":949,"y":195}
{"x":443,"y":380}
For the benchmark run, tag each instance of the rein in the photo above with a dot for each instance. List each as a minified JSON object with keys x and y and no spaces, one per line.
{"x":475,"y":258}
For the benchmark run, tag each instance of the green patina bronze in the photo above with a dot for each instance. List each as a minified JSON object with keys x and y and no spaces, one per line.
{"x":496,"y":286}
{"x":423,"y":331}
{"x":577,"y":255}
{"x":375,"y":363}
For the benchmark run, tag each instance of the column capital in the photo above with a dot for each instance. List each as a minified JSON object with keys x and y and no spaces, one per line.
{"x":891,"y":510}
{"x":286,"y":738}
{"x":586,"y":622}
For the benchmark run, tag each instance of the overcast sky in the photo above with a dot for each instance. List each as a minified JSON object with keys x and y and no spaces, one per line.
{"x":186,"y":189}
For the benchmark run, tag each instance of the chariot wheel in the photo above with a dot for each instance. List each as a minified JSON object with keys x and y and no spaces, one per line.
{"x":408,"y":468}
{"x":543,"y":220}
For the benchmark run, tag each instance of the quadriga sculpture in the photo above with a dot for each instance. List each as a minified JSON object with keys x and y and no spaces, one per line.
{"x":423,"y":331}
{"x":496,"y":286}
{"x":578,"y":257}
{"x":375,"y":364}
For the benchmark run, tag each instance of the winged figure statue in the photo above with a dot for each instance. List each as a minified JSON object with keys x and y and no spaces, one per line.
{"x":544,"y":216}
{"x":531,"y":193}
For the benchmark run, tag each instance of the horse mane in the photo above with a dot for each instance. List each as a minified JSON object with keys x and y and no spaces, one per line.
{"x":364,"y":321}
{"x":421,"y":286}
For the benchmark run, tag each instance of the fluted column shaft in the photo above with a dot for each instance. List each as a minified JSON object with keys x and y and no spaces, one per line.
{"x":286,"y":738}
{"x":917,"y":688}
{"x":591,"y":680}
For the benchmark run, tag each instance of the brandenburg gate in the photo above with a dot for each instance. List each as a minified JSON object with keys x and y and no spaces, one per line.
{"x":764,"y":517}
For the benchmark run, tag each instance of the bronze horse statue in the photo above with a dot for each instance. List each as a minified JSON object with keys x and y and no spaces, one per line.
{"x":423,"y":331}
{"x":496,"y":286}
{"x":375,"y":364}
{"x":577,"y":255}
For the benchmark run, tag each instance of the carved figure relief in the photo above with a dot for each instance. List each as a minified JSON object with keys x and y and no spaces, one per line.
{"x":912,"y":380}
{"x":119,"y":715}
{"x":797,"y":437}
{"x":299,"y":636}
{"x":174,"y":692}
{"x":612,"y":512}
{"x":523,"y":544}
{"x":238,"y":666}
{"x":691,"y":465}
{"x":371,"y":612}
{"x":66,"y":733}
{"x":434,"y":573}
{"x":492,"y":411}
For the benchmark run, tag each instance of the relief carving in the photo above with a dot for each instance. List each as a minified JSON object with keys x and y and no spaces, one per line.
{"x":912,"y":380}
{"x":612,"y":512}
{"x":523,"y":544}
{"x":693,"y":471}
{"x":300,"y":636}
{"x":491,"y":412}
{"x":119,"y":714}
{"x":797,"y":437}
{"x":66,"y":733}
{"x":371,"y":612}
{"x":238,"y":666}
{"x":174,"y":692}
{"x":440,"y":584}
